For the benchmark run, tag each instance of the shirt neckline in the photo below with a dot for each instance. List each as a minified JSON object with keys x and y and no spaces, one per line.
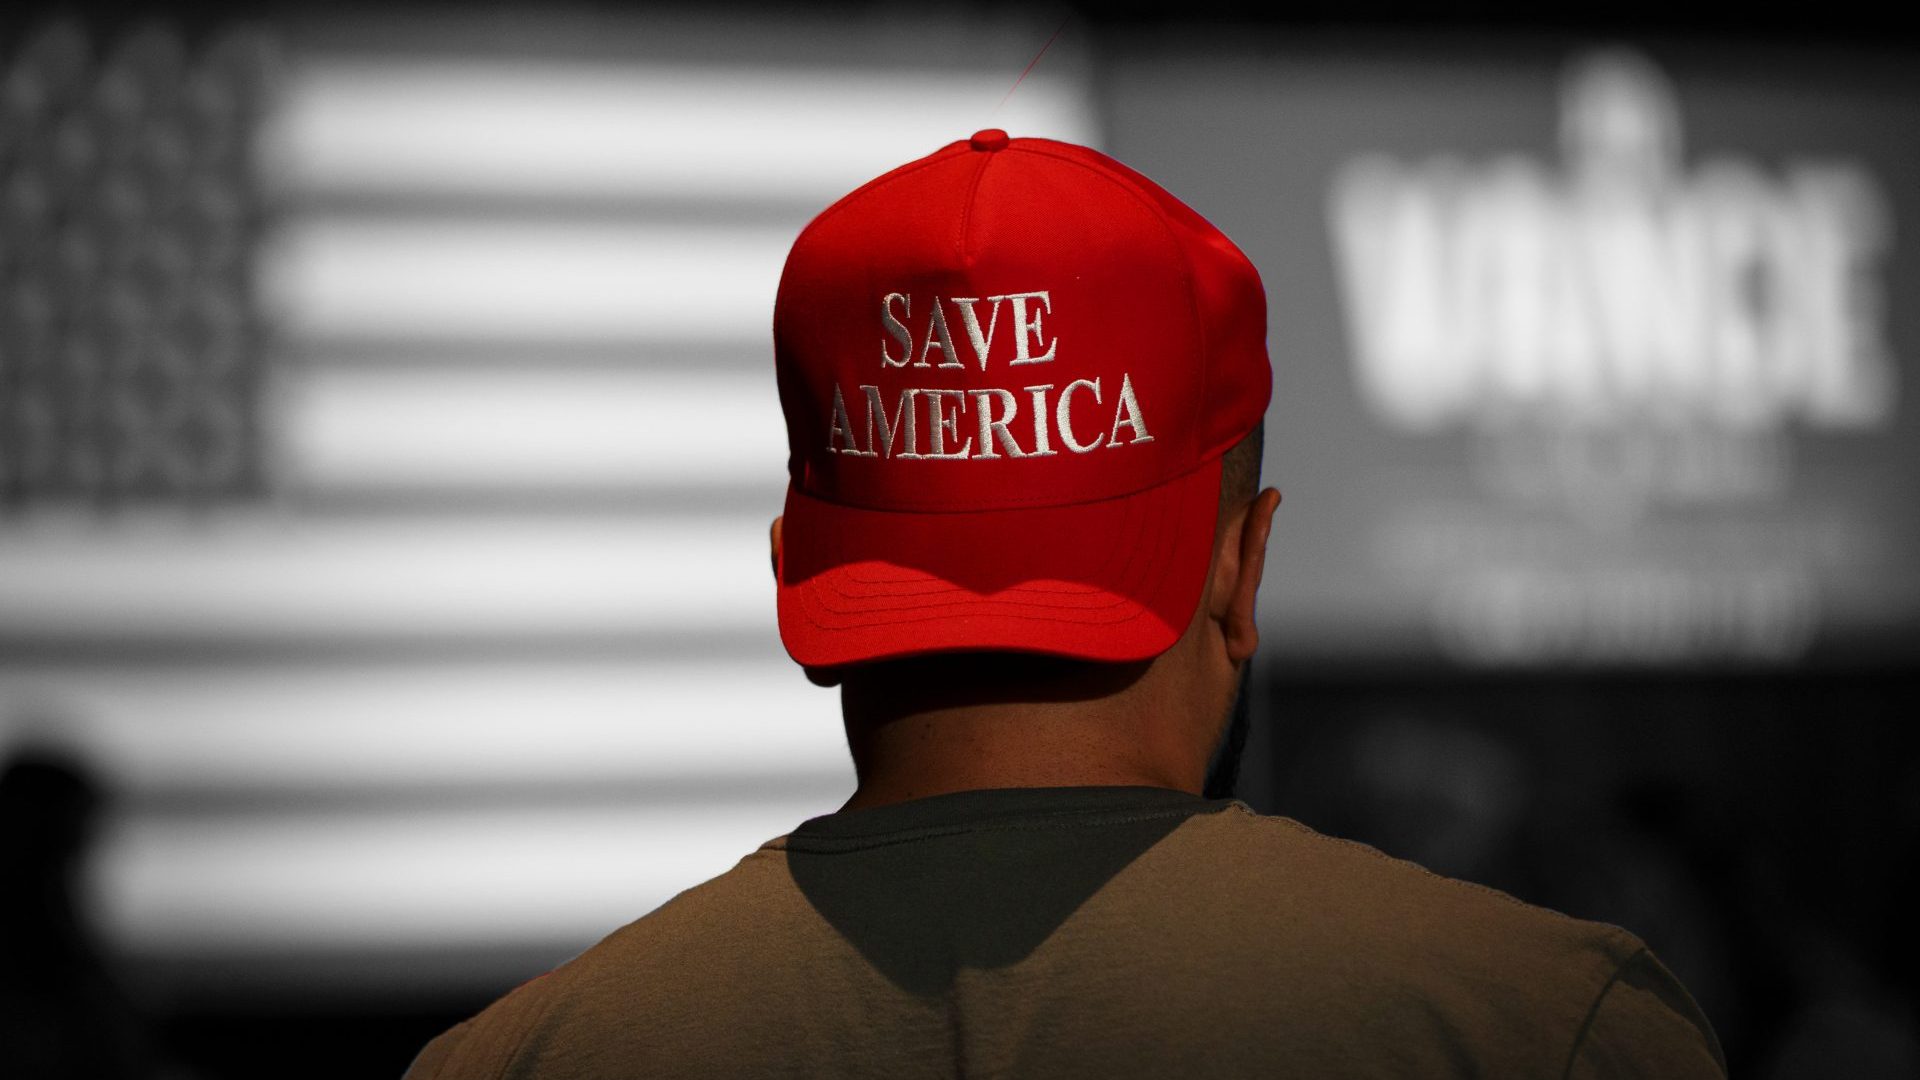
{"x":991,"y":808}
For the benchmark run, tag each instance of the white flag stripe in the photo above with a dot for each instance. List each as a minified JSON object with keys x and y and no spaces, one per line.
{"x":539,"y":282}
{"x":408,"y":880}
{"x":406,"y":727}
{"x":458,"y":578}
{"x":507,"y":428}
{"x":632,"y":130}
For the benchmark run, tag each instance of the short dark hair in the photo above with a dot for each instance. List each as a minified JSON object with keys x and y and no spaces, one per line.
{"x":1240,"y":469}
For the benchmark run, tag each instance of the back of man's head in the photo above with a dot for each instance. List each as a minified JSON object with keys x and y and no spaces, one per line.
{"x":1023,"y":388}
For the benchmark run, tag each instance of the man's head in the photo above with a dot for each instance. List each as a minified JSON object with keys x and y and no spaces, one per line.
{"x":1023,"y":389}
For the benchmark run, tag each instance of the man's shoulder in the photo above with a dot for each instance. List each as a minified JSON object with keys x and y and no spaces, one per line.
{"x":1292,"y":890}
{"x":702,"y":932}
{"x":1271,"y":854}
{"x":1341,"y":936}
{"x":725,"y":920}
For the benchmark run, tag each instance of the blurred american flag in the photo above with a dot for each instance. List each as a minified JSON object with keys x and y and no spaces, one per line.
{"x":471,"y":649}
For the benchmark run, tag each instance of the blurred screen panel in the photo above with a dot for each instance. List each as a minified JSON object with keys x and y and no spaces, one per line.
{"x":1587,"y":355}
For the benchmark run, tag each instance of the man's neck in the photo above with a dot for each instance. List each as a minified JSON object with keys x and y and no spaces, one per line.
{"x":911,"y":738}
{"x":960,"y":723}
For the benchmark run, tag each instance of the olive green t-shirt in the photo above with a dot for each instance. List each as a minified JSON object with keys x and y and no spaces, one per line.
{"x":1100,"y":932}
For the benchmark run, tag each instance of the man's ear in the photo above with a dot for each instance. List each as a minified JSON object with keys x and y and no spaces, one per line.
{"x":1237,"y":572}
{"x":773,"y":544}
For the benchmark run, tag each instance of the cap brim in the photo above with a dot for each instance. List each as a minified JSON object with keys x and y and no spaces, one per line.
{"x":1113,"y":580}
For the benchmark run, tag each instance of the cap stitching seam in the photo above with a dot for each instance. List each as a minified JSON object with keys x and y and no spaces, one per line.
{"x":1128,"y":573}
{"x":1159,"y":215}
{"x":848,"y":624}
{"x":1029,"y":610}
{"x":1131,"y":515}
{"x":966,"y":210}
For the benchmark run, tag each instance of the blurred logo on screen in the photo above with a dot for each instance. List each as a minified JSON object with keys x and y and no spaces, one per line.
{"x":1617,"y":332}
{"x":1619,"y":287}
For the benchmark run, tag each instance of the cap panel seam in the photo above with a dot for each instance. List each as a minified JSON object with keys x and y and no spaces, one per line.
{"x":806,"y":478}
{"x":966,"y":210}
{"x":1159,"y":215}
{"x":1146,"y":201}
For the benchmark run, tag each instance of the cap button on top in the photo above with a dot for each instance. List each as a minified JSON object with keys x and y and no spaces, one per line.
{"x":989,"y":140}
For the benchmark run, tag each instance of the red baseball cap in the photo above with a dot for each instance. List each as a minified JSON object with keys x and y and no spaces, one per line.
{"x":1009,"y":371}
